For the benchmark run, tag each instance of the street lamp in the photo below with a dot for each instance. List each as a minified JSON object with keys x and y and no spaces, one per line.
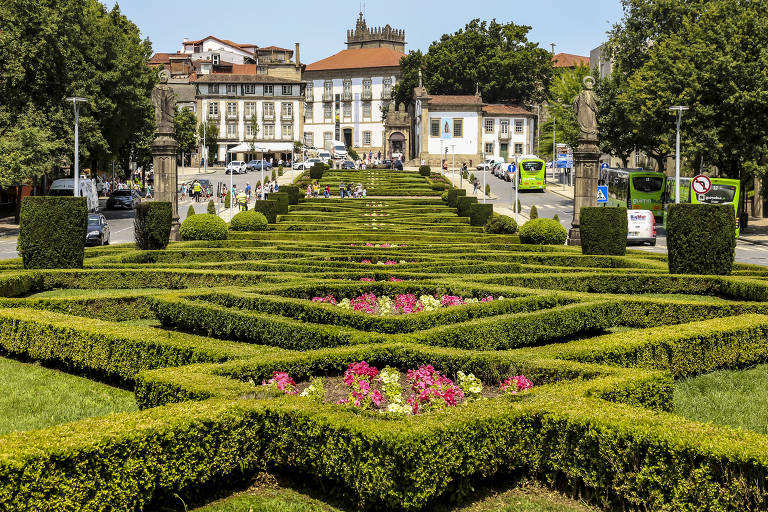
{"x":679,"y":109}
{"x":76,"y":101}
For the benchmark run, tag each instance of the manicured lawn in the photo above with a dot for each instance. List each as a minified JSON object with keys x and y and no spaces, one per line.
{"x":33,"y":397}
{"x":737,"y":398}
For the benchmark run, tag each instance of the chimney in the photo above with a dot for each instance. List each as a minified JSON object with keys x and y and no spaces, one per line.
{"x":297,"y":57}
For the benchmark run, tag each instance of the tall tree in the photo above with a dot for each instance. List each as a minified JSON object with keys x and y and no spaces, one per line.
{"x":184,"y":125}
{"x":496,"y":57}
{"x":209,"y":131}
{"x":617,"y":132}
{"x":562,"y":92}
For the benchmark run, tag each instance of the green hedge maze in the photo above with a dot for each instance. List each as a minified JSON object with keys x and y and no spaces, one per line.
{"x":194,"y":329}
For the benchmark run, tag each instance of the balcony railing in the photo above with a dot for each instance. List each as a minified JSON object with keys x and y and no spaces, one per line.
{"x":231,"y":115}
{"x":346,"y":96}
{"x":367,"y":95}
{"x":504,"y":136}
{"x":269,"y":117}
{"x":327,"y":96}
{"x":309,"y":97}
{"x":213,"y":116}
{"x":287,"y":116}
{"x":386,"y":94}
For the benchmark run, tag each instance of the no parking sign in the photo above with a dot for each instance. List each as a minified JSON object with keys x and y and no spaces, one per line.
{"x":701,"y":184}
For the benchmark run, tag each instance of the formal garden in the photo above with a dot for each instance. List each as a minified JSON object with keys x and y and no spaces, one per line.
{"x":403,"y":350}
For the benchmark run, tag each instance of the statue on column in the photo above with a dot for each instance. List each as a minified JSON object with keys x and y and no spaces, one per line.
{"x":164,"y":149}
{"x":585,"y":107}
{"x":164,"y":100}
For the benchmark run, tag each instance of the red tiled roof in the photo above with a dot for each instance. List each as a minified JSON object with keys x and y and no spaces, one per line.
{"x":245,"y":69}
{"x":455,"y":99}
{"x":230,"y":78}
{"x":357,"y":58}
{"x":275,"y":49}
{"x":161,"y":58}
{"x":515,"y":110}
{"x":225,"y":41}
{"x":568,"y":60}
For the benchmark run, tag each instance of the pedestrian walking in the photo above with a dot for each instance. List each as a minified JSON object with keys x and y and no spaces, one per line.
{"x":476,"y":182}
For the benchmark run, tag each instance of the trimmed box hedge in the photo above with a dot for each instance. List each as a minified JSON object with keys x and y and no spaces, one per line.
{"x":52,"y":231}
{"x":152,"y":225}
{"x":268,"y":208}
{"x":479,"y":214}
{"x":701,"y":238}
{"x":603,"y":231}
{"x":463,"y":205}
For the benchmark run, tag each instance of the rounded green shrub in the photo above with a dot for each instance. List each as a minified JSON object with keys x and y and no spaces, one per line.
{"x":191,"y":210}
{"x":701,"y":238}
{"x":52,"y":231}
{"x":603,"y":230}
{"x":211,"y":207}
{"x":316,"y":171}
{"x":248,"y":221}
{"x":501,"y":225}
{"x":534,"y":213}
{"x":152,"y":225}
{"x":543,"y":232}
{"x":228,"y":199}
{"x":203,"y":226}
{"x":444,"y":196}
{"x":425,"y":170}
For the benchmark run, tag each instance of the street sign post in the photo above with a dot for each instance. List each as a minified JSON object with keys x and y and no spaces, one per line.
{"x":604,"y":165}
{"x":602,"y":194}
{"x":701,"y":184}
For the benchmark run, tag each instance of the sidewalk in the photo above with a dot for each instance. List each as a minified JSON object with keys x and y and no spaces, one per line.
{"x":286,"y":179}
{"x":498,"y":207}
{"x":556,"y":188}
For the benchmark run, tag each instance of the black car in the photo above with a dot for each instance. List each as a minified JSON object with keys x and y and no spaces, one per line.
{"x":347,"y":164}
{"x":98,"y":230}
{"x":123,"y":198}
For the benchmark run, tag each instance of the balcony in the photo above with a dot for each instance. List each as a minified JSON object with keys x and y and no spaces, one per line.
{"x":327,"y":96}
{"x":213,"y":116}
{"x":386,"y":94}
{"x":504,"y":135}
{"x":287,"y":116}
{"x":268,"y":117}
{"x":367,"y":95}
{"x":309,"y":97}
{"x":232,"y":116}
{"x":346,"y":96}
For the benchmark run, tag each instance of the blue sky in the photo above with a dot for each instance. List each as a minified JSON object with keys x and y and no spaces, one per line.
{"x":574,"y":26}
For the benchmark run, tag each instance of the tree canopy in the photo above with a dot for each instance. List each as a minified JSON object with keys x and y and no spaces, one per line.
{"x":562,"y":93}
{"x":496,"y":57}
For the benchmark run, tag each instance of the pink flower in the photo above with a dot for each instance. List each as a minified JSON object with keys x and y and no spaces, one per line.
{"x":514,"y":384}
{"x":386,"y":245}
{"x":329,"y":299}
{"x":395,"y":280}
{"x":369,"y":244}
{"x":390,"y":262}
{"x":368,"y":279}
{"x":366,"y":261}
{"x":283,"y":382}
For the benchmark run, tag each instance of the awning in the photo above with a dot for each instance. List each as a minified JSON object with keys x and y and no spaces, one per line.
{"x":266,"y":147}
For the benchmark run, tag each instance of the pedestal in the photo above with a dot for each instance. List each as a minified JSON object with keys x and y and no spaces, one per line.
{"x":166,"y":176}
{"x":586,"y":162}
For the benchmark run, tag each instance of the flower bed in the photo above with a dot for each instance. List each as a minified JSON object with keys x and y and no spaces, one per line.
{"x":402,"y":304}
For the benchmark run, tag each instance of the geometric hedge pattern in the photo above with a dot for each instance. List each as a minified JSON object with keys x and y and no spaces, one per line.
{"x":602,"y":338}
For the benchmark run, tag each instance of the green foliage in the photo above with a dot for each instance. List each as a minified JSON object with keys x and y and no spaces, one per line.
{"x":274,"y":175}
{"x":293,"y":193}
{"x":603,"y":231}
{"x":184,"y":125}
{"x":228,"y":199}
{"x":444,"y":196}
{"x":501,"y":225}
{"x":353,"y":155}
{"x":203,"y":226}
{"x":268,"y":208}
{"x":52,"y":231}
{"x":534,"y":213}
{"x":425,"y":170}
{"x":564,"y":89}
{"x":282,"y":201}
{"x":543,"y":231}
{"x":248,"y":221}
{"x":211,"y":207}
{"x":480,"y":213}
{"x":556,"y":218}
{"x":488,"y":189}
{"x":191,"y":210}
{"x":280,"y":171}
{"x":27,"y":150}
{"x":701,"y":238}
{"x":210,"y":132}
{"x":152,"y":225}
{"x":463,"y":205}
{"x":316,"y":172}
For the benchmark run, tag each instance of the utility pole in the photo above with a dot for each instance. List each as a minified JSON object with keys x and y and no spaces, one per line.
{"x":76,"y":101}
{"x":679,"y":109}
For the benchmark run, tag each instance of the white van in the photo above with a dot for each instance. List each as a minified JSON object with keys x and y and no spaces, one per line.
{"x":641,"y":227}
{"x":489,"y":163}
{"x":66,"y":187}
{"x":325,"y":156}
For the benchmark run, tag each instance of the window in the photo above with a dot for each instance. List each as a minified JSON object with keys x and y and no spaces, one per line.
{"x":504,"y":127}
{"x":250,"y":88}
{"x":287,"y":90}
{"x":216,"y":59}
{"x":213,"y":88}
{"x":489,"y":126}
{"x":213,"y":109}
{"x":518,"y":126}
{"x":386,"y":91}
{"x":269,"y":90}
{"x":366,"y":138}
{"x":231,"y":89}
{"x":367,"y":88}
{"x":269,"y":110}
{"x":489,"y":148}
{"x":309,"y":139}
{"x":287,"y":109}
{"x":458,"y":128}
{"x":309,"y":112}
{"x":518,"y":149}
{"x":287,"y":131}
{"x":250,"y":109}
{"x":347,"y":110}
{"x":327,"y":136}
{"x":328,"y":90}
{"x":434,"y":128}
{"x":231,"y":130}
{"x":328,"y":111}
{"x":231,"y":109}
{"x":309,"y":92}
{"x":269,"y":131}
{"x":347,"y":90}
{"x":248,"y":130}
{"x":367,"y":110}
{"x":262,"y":70}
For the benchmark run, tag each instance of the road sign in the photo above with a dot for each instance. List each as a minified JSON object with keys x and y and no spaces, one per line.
{"x":602,"y":194}
{"x":701,"y":184}
{"x":604,"y":165}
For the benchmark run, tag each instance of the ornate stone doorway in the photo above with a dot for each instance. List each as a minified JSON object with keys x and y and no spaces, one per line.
{"x":396,"y":145}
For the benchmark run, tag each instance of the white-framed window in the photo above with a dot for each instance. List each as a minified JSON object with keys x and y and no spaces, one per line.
{"x":216,"y":59}
{"x":269,"y":109}
{"x":309,"y":139}
{"x":328,"y":90}
{"x":347,"y":110}
{"x":504,"y":127}
{"x":269,"y":90}
{"x":434,"y":127}
{"x":328,"y":111}
{"x":231,"y":109}
{"x":327,"y":136}
{"x":287,"y":90}
{"x":367,"y":83}
{"x":287,"y":109}
{"x":489,"y":148}
{"x":250,"y":88}
{"x":309,"y":92}
{"x":518,"y":148}
{"x":287,"y":131}
{"x":248,"y":130}
{"x":213,"y":108}
{"x":518,"y":126}
{"x":386,"y":91}
{"x":309,"y":112}
{"x":489,"y":126}
{"x":366,"y":110}
{"x":250,"y":109}
{"x":269,"y":131}
{"x":231,"y":89}
{"x":366,"y":138}
{"x":232,"y":130}
{"x":213,"y":88}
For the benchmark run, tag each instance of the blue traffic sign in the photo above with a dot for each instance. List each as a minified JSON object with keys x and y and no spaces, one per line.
{"x":604,"y":165}
{"x":602,"y":194}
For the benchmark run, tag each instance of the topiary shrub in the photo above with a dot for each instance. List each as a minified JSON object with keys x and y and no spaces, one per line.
{"x":152,"y":225}
{"x":463,"y":204}
{"x":488,"y":190}
{"x":543,"y":232}
{"x":316,"y":171}
{"x":268,"y":208}
{"x":274,"y":175}
{"x":701,"y":238}
{"x":190,"y":210}
{"x":425,"y":170}
{"x":248,"y":221}
{"x":52,"y":231}
{"x":228,"y":199}
{"x":203,"y":226}
{"x":479,"y":214}
{"x":211,"y":207}
{"x":603,"y":230}
{"x":501,"y":225}
{"x":444,"y":196}
{"x":556,"y":217}
{"x":280,"y":171}
{"x":293,"y":193}
{"x":282,"y":201}
{"x":534,"y":213}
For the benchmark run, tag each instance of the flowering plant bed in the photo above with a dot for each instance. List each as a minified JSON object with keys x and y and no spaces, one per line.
{"x":402,"y":304}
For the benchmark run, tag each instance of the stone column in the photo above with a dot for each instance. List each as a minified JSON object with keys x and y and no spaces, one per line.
{"x":166,"y":176}
{"x":586,"y":164}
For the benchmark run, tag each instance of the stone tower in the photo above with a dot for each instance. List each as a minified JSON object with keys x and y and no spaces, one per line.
{"x":375,"y":37}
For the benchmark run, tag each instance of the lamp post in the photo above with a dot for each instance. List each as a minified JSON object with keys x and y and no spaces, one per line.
{"x":679,"y":109}
{"x":76,"y":101}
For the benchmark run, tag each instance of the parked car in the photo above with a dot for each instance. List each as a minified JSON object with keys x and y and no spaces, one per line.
{"x":488,"y":163}
{"x":123,"y":198}
{"x":236,"y":167}
{"x":325,"y":156}
{"x":641,"y":227}
{"x":347,"y":164}
{"x":255,"y":165}
{"x":98,"y":230}
{"x":499,"y":169}
{"x":303,"y":166}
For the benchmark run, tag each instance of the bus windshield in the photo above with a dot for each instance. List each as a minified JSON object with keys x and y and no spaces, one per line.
{"x":718,"y":194}
{"x":532,"y":166}
{"x":647,"y":183}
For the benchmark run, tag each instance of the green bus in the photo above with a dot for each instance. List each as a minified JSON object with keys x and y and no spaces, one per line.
{"x":635,"y":189}
{"x":532,"y":173}
{"x":723,"y":191}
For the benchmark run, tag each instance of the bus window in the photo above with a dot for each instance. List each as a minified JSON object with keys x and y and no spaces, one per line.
{"x":718,"y":194}
{"x":532,"y":166}
{"x":647,"y":183}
